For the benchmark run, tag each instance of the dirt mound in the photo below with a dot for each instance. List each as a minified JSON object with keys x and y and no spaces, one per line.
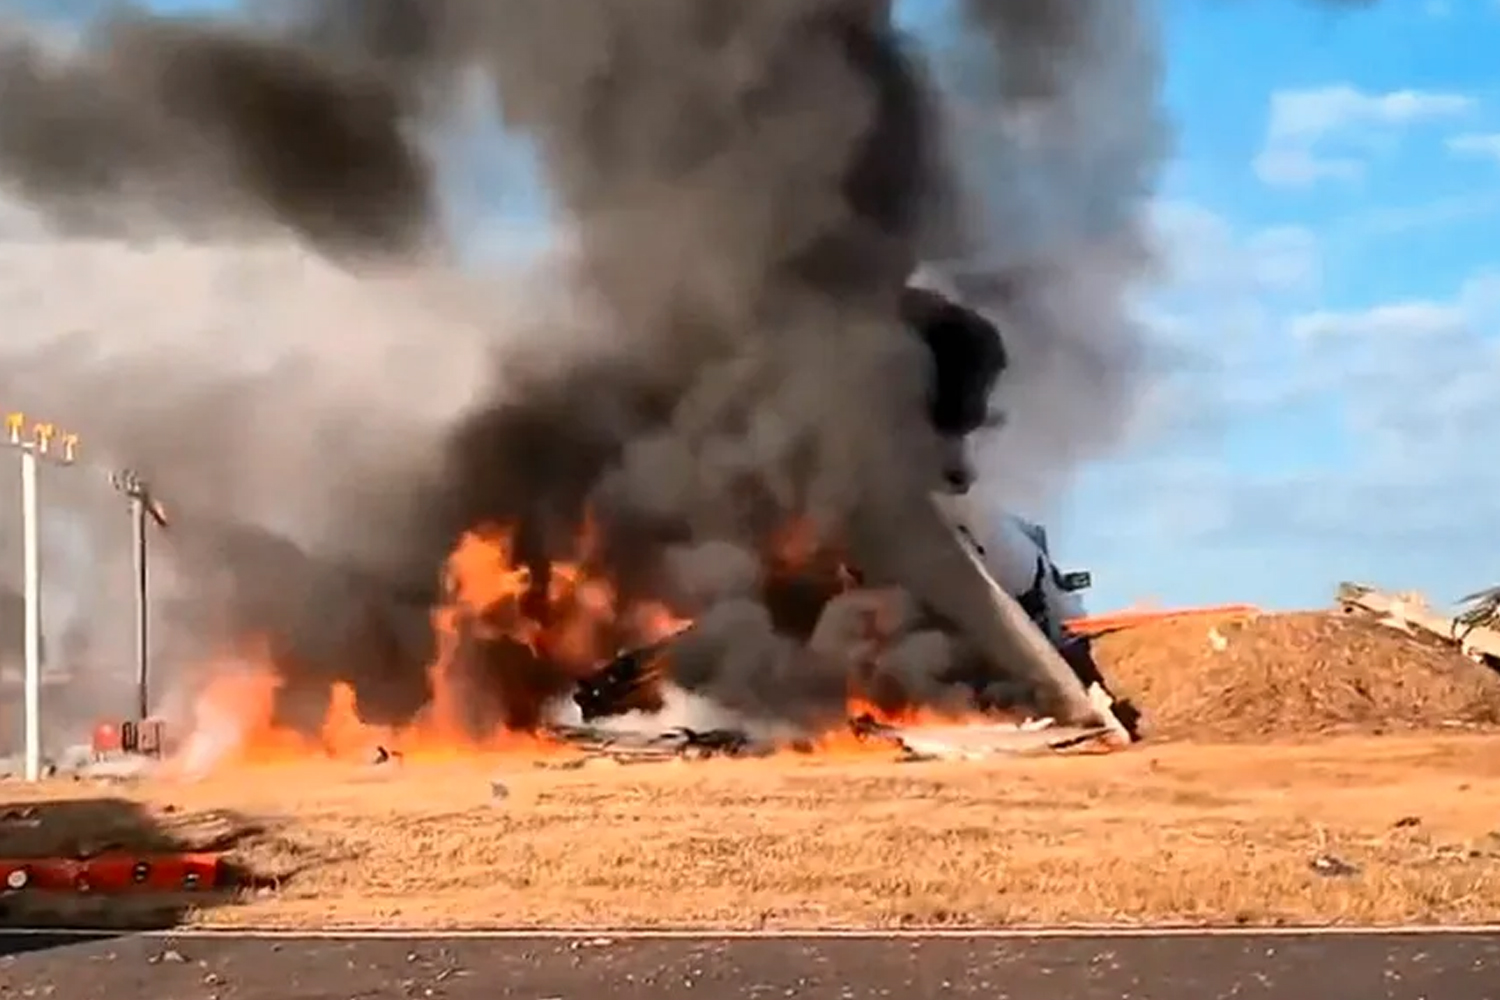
{"x":1290,"y":675}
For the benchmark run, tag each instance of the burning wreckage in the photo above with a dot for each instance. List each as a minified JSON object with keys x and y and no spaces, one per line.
{"x":959,"y":653}
{"x":998,"y":588}
{"x":733,"y":399}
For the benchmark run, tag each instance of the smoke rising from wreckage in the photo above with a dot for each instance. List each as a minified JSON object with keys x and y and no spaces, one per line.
{"x":748,"y":189}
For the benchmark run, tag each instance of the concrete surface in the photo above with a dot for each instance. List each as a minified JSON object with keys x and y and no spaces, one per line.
{"x":908,"y":967}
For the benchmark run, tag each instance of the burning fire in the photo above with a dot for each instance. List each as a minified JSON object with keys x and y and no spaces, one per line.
{"x":571,"y":621}
{"x":550,"y":629}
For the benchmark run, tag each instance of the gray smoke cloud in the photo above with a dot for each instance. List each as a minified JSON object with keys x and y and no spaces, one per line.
{"x":748,"y":188}
{"x":1060,"y":142}
{"x":282,"y":409}
{"x":751,"y":186}
{"x":744,"y":190}
{"x":192,"y":121}
{"x":167,"y":299}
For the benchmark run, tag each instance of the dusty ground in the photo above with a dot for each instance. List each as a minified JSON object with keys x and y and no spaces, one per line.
{"x":1175,"y":833}
{"x":1187,"y":827}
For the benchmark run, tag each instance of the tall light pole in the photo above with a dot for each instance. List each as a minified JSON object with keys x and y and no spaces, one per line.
{"x":142,"y":506}
{"x":34,"y":441}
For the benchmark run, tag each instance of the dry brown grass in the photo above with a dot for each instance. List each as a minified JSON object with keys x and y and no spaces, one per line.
{"x":1169,"y":831}
{"x":1202,"y":834}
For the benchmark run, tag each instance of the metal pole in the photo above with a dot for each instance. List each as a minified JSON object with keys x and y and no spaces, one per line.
{"x":142,"y":645}
{"x":35,"y":442}
{"x":33,"y":593}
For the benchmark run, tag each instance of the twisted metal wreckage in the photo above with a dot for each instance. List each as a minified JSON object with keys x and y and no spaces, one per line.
{"x":1475,"y":630}
{"x":1008,"y":597}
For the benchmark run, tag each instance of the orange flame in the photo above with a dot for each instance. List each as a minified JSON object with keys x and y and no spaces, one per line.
{"x":551,"y":623}
{"x":570,"y":627}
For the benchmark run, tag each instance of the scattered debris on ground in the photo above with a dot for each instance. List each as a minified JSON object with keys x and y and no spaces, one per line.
{"x":1327,"y":827}
{"x":645,"y":745}
{"x":1379,"y":663}
{"x":1475,"y":631}
{"x":1332,"y":866}
{"x":1175,"y":832}
{"x":977,"y":741}
{"x":918,"y":741}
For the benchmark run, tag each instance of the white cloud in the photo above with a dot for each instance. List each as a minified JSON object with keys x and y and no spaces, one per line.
{"x":1412,"y":379}
{"x":1328,"y":133}
{"x":1485,"y":145}
{"x":1203,"y":252}
{"x":1411,"y":320}
{"x":1285,"y":258}
{"x":1413,"y":384}
{"x":1213,"y":319}
{"x":1372,"y":433}
{"x":1430,"y":213}
{"x":1298,"y":167}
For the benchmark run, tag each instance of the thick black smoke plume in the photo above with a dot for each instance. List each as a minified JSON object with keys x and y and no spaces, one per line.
{"x":197,"y":121}
{"x":747,"y":188}
{"x":751,"y":187}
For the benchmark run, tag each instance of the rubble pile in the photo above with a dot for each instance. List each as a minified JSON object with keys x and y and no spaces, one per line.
{"x":1284,"y":676}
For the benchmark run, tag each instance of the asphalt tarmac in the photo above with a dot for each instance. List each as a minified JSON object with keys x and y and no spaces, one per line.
{"x":1456,"y":966}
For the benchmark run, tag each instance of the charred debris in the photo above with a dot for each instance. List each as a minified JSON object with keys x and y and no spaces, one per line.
{"x":968,"y":356}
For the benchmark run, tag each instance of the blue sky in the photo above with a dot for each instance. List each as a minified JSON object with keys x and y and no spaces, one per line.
{"x":1331,"y":297}
{"x":1330,"y":220}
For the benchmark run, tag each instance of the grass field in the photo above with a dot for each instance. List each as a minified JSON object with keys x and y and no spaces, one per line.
{"x":1173,"y":832}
